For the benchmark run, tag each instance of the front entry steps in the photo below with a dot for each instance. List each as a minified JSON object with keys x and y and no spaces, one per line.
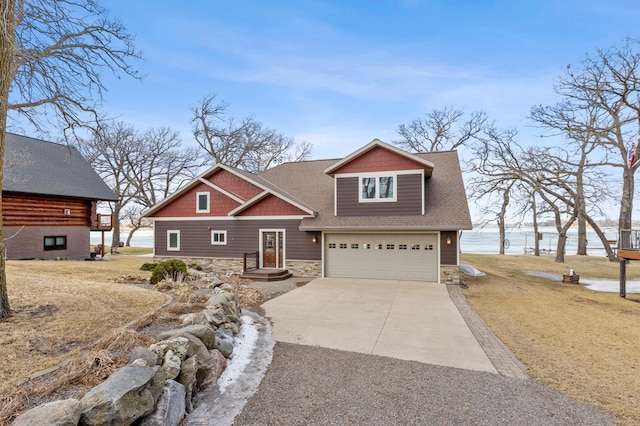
{"x":262,"y":274}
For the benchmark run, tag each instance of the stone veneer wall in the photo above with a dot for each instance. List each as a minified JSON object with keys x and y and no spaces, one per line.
{"x":219,"y":265}
{"x":450,"y":274}
{"x":299,"y":268}
{"x":305,"y":268}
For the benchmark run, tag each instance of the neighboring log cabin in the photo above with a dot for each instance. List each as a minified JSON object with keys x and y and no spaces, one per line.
{"x":49,"y":199}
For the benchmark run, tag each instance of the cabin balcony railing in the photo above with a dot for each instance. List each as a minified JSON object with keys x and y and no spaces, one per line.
{"x":629,"y":239}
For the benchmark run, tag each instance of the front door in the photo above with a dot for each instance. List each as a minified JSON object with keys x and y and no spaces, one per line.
{"x":272,"y":249}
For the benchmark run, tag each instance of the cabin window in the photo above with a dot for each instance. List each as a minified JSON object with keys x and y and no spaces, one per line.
{"x":378,"y":188}
{"x":173,"y":240}
{"x":202,"y":202}
{"x":219,"y":238}
{"x":55,"y":243}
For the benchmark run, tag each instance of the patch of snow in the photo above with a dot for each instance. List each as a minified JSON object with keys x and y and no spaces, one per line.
{"x":252,"y":353}
{"x":546,"y":275}
{"x":593,"y":284}
{"x":610,"y":286}
{"x":243,"y":347}
{"x":470,"y":270}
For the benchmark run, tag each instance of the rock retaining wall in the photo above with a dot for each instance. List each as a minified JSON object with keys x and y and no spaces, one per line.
{"x":159,"y":382}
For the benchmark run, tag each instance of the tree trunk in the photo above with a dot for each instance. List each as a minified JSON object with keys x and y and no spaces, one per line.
{"x":134,"y":229}
{"x":536,"y":241}
{"x":115,"y":238}
{"x":626,"y":201}
{"x":603,"y":239}
{"x":7,"y":58}
{"x":582,"y":220}
{"x":562,"y":237}
{"x":502,"y":216}
{"x":562,"y":243}
{"x":502,"y":234}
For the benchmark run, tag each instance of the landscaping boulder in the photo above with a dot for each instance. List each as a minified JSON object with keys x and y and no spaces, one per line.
{"x":127,"y":395}
{"x":215,"y":316}
{"x":219,"y":365}
{"x":171,"y":365}
{"x":178,"y":345}
{"x":187,"y":378}
{"x":197,"y":348}
{"x":170,"y":409}
{"x":140,"y":352}
{"x":194,"y":318}
{"x":219,"y":298}
{"x":203,"y":332}
{"x":232,"y":327}
{"x":56,"y":413}
{"x":224,"y":341}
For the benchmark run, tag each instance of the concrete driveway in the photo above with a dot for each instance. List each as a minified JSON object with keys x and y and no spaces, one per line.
{"x":408,"y":320}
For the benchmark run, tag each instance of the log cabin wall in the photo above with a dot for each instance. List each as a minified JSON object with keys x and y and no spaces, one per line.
{"x":28,"y":219}
{"x":33,"y":210}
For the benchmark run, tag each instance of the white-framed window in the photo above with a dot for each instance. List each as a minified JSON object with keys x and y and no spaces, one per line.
{"x":202,"y":202}
{"x":219,"y":238}
{"x":382,"y":187}
{"x":173,"y":240}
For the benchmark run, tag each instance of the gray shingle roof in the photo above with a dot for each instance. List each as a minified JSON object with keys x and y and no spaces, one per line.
{"x":34,"y":166}
{"x":446,"y":201}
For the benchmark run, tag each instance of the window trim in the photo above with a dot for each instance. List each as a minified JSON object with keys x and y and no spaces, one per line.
{"x":169,"y":232}
{"x":208,"y":195}
{"x":218,"y":243}
{"x":55,"y":246}
{"x":377,"y":176}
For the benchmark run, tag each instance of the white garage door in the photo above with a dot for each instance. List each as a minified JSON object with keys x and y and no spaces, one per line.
{"x":382,"y":256}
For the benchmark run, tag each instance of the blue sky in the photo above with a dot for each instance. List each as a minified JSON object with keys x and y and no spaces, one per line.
{"x":341,"y":73}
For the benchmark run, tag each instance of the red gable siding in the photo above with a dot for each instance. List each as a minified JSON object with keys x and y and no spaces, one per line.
{"x":185,"y":205}
{"x":235,"y":185}
{"x":273,"y":206}
{"x":379,"y":159}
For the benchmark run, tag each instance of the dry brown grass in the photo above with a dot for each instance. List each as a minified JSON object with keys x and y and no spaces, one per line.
{"x":585,"y":344}
{"x":62,"y":307}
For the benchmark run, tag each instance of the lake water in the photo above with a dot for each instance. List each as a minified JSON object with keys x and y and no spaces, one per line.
{"x":480,"y":240}
{"x":487,"y":240}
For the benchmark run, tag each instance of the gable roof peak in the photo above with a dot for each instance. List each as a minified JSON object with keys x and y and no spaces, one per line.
{"x":422,"y":162}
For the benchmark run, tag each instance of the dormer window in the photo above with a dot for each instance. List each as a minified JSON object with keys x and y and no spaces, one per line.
{"x":202,"y":202}
{"x":378,"y":188}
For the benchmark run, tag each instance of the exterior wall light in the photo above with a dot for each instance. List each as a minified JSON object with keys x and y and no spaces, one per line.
{"x":314,"y":240}
{"x":448,"y":241}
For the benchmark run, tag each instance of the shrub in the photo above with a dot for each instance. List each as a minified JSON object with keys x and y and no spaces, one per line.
{"x":148,"y":266}
{"x":169,"y":268}
{"x":195,"y":266}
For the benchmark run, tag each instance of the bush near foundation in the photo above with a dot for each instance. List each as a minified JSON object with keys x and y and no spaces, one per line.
{"x":169,"y":269}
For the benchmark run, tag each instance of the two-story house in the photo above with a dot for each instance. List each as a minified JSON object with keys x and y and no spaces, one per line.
{"x":380,"y":212}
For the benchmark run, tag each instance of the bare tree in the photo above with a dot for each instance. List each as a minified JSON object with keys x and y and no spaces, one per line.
{"x":496,"y":156}
{"x":52,"y":56}
{"x":133,"y":216}
{"x":246,"y":143}
{"x":159,"y":167}
{"x":600,"y":107}
{"x":113,"y":152}
{"x":440,"y":130}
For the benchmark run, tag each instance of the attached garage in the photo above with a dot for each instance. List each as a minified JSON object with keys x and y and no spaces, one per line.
{"x":382,"y":256}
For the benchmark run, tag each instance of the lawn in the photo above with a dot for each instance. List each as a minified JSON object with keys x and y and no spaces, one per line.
{"x":585,"y":344}
{"x":60,"y":307}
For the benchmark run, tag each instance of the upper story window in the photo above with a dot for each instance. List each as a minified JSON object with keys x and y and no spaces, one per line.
{"x":378,"y":188}
{"x":202,"y":202}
